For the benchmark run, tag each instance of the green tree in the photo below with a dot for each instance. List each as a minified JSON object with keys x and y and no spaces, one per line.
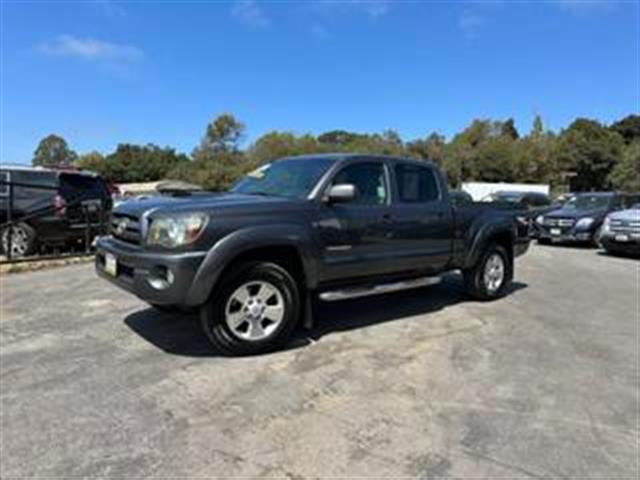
{"x":53,"y":151}
{"x":93,"y":161}
{"x":508,"y":129}
{"x":431,"y":148}
{"x":223,"y":135}
{"x":534,"y":162}
{"x":275,"y":145}
{"x":217,"y":161}
{"x":628,"y":128}
{"x":588,"y":150}
{"x":626,"y":173}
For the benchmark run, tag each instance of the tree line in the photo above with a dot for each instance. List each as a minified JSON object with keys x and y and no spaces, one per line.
{"x":586,"y":155}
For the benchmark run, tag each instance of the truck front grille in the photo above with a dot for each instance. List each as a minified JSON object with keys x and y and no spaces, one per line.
{"x":126,"y":228}
{"x":559,"y":222}
{"x":625,"y":226}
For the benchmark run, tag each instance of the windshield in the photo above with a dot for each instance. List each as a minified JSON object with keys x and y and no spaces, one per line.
{"x":512,"y":197}
{"x":286,"y":178}
{"x":588,"y":202}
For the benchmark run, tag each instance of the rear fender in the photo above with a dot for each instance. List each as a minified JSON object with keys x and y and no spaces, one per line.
{"x":481,"y":234}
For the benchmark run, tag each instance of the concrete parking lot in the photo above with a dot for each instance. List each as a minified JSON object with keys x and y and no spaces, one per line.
{"x":543,"y":383}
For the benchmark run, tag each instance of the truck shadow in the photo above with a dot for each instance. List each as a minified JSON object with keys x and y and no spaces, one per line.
{"x":181,"y":334}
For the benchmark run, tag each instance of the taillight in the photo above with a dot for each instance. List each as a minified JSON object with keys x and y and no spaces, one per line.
{"x":59,"y":205}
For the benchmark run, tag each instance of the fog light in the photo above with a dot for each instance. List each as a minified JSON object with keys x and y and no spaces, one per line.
{"x":162,"y":278}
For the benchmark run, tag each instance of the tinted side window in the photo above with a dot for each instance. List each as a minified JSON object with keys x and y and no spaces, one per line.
{"x":416,"y":184}
{"x":368,"y":178}
{"x":4,"y":189}
{"x":35,"y":184}
{"x":82,"y":186}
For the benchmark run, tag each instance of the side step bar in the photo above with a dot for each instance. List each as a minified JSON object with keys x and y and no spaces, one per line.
{"x":357,"y":292}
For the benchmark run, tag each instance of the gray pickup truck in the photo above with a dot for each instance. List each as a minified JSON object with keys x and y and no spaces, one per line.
{"x":254,"y":260}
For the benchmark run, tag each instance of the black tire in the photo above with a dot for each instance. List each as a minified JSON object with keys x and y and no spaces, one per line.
{"x":544,"y":241}
{"x":474,"y":278}
{"x":28,"y":240}
{"x":213,"y":314}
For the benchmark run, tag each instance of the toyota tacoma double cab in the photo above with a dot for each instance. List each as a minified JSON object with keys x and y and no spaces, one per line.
{"x":253,"y":261}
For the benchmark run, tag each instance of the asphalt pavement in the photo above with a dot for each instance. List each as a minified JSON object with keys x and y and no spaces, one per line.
{"x":423,"y":384}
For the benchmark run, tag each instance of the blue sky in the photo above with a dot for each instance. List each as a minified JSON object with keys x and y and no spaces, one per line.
{"x":105,"y":72}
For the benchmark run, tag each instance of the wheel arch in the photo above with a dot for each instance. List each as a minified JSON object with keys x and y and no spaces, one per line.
{"x":500,"y":233}
{"x":286,"y":245}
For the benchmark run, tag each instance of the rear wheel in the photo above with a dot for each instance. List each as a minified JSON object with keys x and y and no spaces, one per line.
{"x":492,"y":274}
{"x":23,"y":240}
{"x":254,"y":311}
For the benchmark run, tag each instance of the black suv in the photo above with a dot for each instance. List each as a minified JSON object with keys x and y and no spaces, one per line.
{"x":580,"y":219}
{"x":50,"y":207}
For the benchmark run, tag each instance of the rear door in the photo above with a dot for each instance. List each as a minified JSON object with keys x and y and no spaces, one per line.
{"x":422,"y":218}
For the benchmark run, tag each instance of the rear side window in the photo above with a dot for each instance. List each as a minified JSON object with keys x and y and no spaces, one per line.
{"x":4,"y":188}
{"x":416,"y":184}
{"x":34,"y":184}
{"x":82,"y":186}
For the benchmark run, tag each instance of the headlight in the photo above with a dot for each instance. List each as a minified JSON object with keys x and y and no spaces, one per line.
{"x":584,"y":222}
{"x":176,"y":230}
{"x":540,"y":219}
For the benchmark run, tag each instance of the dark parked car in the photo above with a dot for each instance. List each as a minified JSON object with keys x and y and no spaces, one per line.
{"x":581,"y":218}
{"x":621,"y":231}
{"x":528,"y":207}
{"x":327,"y":227}
{"x":51,"y":207}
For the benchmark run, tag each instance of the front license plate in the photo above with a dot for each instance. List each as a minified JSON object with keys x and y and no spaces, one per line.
{"x":111,"y":264}
{"x":622,"y":238}
{"x":556,"y":231}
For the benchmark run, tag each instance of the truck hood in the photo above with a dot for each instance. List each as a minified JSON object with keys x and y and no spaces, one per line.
{"x":626,"y":215}
{"x":203,"y":202}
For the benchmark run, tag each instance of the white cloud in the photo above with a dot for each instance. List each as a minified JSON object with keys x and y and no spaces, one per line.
{"x":90,"y":49}
{"x":248,"y":12}
{"x":585,"y":6}
{"x":371,"y":8}
{"x":469,"y":22}
{"x":110,"y":8}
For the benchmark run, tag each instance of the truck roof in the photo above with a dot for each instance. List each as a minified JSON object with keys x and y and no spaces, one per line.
{"x":56,"y":171}
{"x":344,"y":156}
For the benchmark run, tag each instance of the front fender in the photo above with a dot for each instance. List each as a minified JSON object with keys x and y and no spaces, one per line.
{"x":240,"y":241}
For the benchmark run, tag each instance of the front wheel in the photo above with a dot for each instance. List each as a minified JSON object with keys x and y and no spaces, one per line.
{"x":254,"y":311}
{"x":492,"y":274}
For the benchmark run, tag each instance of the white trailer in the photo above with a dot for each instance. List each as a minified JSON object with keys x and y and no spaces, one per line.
{"x":480,"y":191}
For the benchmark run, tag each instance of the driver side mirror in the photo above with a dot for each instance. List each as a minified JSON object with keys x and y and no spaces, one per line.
{"x":343,"y":193}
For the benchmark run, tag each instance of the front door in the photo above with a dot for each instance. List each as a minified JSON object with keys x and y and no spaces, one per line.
{"x":355,"y":235}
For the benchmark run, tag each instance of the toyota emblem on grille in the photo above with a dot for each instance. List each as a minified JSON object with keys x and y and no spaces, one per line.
{"x":121,"y":227}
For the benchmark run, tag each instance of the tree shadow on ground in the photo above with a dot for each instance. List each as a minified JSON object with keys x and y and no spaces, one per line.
{"x":181,"y":334}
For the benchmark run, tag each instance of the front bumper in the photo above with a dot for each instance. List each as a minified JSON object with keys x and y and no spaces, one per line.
{"x":565,"y":234}
{"x":137,"y":268}
{"x":612,"y":242}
